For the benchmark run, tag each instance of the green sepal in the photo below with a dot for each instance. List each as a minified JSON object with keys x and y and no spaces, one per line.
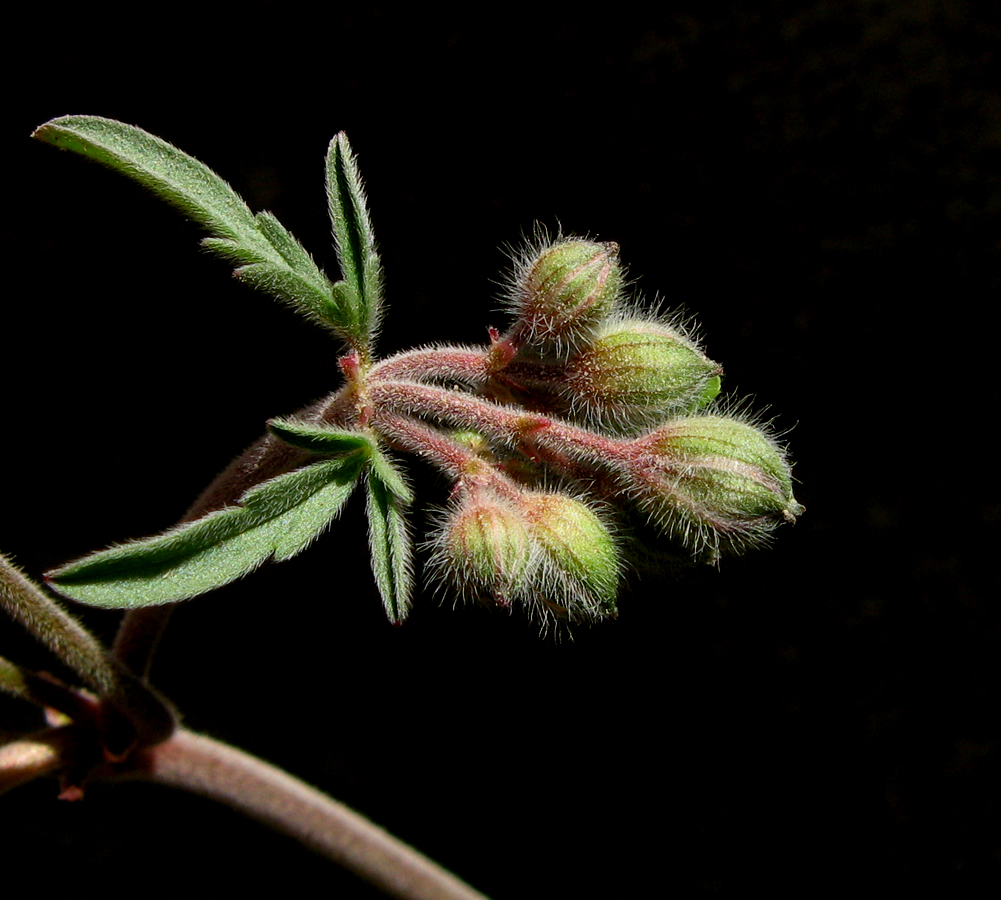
{"x":709,"y":393}
{"x":354,"y":238}
{"x":389,"y":541}
{"x":275,"y":520}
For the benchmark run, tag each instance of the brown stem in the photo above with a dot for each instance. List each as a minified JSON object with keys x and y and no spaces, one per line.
{"x":131,"y":713}
{"x":204,"y":766}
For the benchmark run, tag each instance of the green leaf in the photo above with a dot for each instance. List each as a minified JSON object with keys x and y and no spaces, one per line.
{"x":171,"y":174}
{"x":301,"y":263}
{"x":291,"y":288}
{"x":320,"y":438}
{"x":327,"y":439}
{"x":354,"y":237}
{"x":390,"y":476}
{"x":389,"y":541}
{"x":275,"y":520}
{"x":270,"y":258}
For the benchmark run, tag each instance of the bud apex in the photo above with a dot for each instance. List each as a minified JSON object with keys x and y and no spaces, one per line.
{"x":638,"y":373}
{"x":565,"y":291}
{"x":713,"y":482}
{"x":580,"y":569}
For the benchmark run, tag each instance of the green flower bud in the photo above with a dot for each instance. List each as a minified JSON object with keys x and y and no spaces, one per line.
{"x":579,"y":574}
{"x":637,"y":373}
{"x":566,"y":291}
{"x":485,"y":544}
{"x":713,"y":482}
{"x":548,"y":551}
{"x":474,"y":441}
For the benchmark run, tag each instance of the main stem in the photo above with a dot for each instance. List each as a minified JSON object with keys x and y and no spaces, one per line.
{"x":204,"y":766}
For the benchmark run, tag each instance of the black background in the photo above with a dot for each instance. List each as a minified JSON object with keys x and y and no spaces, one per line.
{"x":816,"y":182}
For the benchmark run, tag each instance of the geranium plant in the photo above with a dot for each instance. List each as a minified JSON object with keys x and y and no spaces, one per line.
{"x":586,"y":409}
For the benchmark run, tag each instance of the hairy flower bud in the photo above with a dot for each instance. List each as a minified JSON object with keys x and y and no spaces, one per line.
{"x":580,"y":568}
{"x":565,"y":291}
{"x":713,"y":482}
{"x":485,"y":545}
{"x":637,"y":373}
{"x":547,"y":551}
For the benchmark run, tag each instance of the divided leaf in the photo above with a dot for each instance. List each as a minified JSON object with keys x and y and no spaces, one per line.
{"x":171,"y":174}
{"x":275,"y":520}
{"x":268,"y":256}
{"x":388,"y":497}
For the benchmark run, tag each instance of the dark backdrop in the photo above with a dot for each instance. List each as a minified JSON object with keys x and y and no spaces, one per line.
{"x":816,"y":182}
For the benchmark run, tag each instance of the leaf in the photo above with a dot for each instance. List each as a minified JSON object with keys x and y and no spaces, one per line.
{"x":390,"y":476}
{"x":320,"y":438}
{"x":276,"y":519}
{"x":353,"y":235}
{"x":291,"y":288}
{"x":389,"y":541}
{"x":270,"y":258}
{"x":171,"y":174}
{"x":327,"y":439}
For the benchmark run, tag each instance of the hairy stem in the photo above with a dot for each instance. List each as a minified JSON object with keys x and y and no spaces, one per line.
{"x":506,"y":424}
{"x":56,"y":629}
{"x":132,"y":712}
{"x":204,"y":766}
{"x":467,"y":365}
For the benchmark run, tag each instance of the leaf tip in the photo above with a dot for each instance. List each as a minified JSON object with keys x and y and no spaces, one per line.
{"x":43,"y":132}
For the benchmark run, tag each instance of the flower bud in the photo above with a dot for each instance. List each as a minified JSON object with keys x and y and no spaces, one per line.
{"x":566,"y":291}
{"x":713,"y":482}
{"x":474,"y":441}
{"x":580,"y":568}
{"x":637,"y":373}
{"x":485,"y":544}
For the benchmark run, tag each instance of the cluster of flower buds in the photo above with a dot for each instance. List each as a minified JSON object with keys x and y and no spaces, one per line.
{"x":547,"y":551}
{"x":584,"y":406}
